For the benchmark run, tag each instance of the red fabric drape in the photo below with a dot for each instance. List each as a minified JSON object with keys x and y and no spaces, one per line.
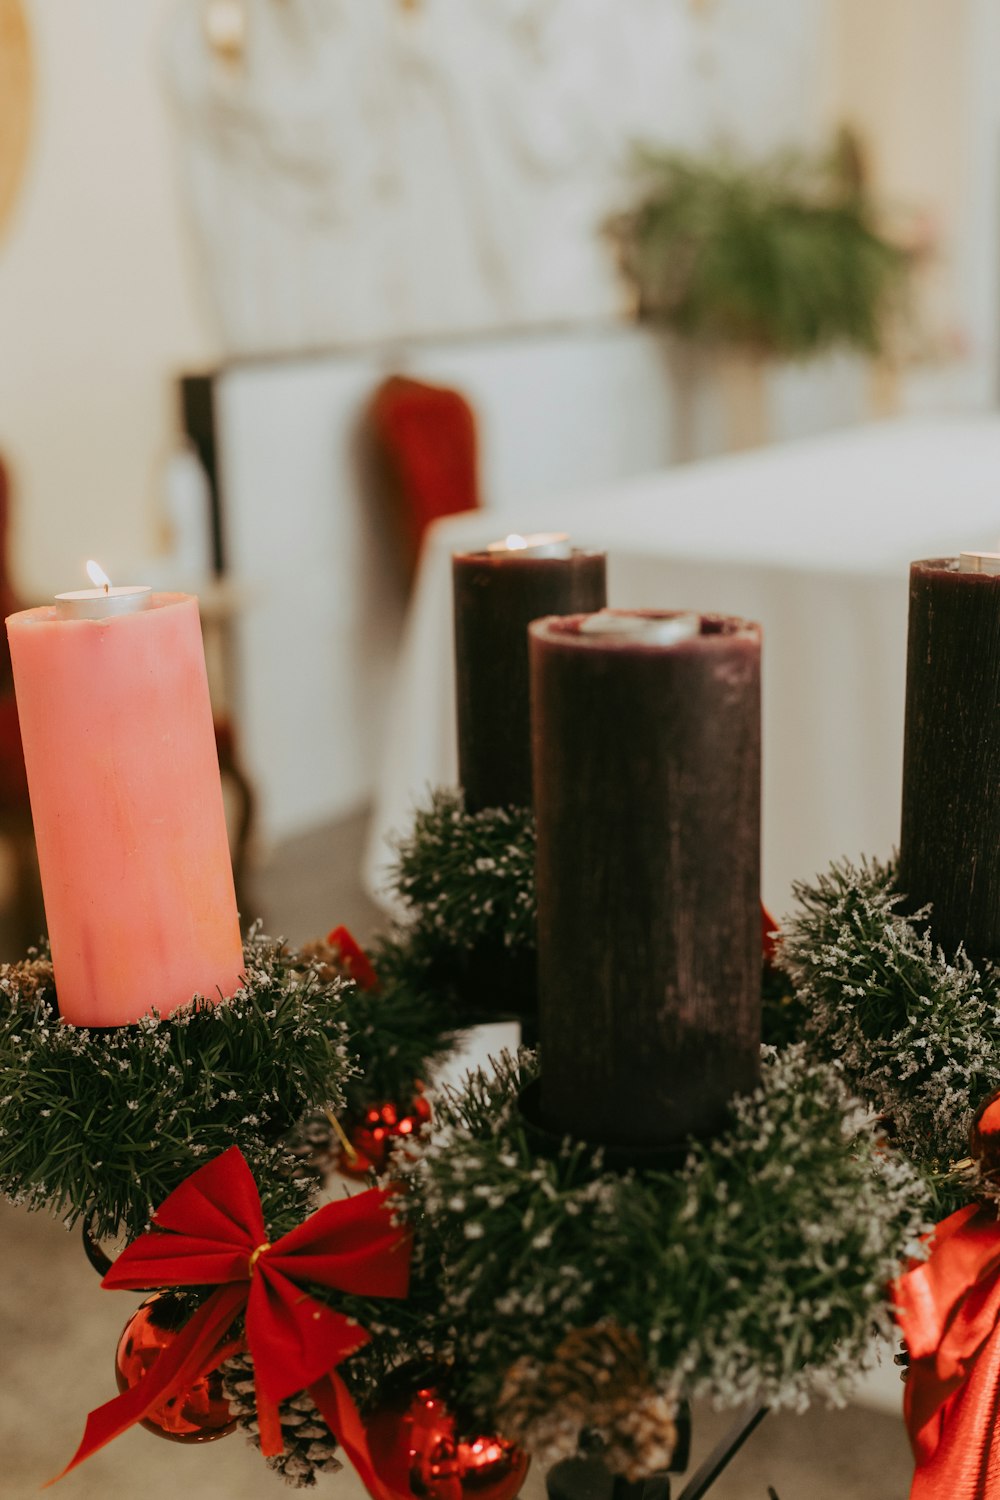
{"x":948,"y":1308}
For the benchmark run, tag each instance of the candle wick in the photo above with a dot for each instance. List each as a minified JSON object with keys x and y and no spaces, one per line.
{"x":106,"y":587}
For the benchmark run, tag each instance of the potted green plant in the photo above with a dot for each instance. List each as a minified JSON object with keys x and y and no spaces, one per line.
{"x":782,"y":258}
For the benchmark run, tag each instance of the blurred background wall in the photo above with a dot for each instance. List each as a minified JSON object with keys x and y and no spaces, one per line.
{"x":110,"y":277}
{"x":97,"y":301}
{"x":307,"y":195}
{"x":107,"y":285}
{"x":917,"y":77}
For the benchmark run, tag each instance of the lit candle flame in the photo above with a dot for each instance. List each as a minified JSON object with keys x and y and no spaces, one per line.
{"x":97,"y":576}
{"x":515,"y":542}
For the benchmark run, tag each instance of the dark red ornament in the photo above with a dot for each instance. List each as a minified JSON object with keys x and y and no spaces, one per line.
{"x":422,"y":1437}
{"x":984,"y":1136}
{"x":379,"y":1129}
{"x":202,"y":1414}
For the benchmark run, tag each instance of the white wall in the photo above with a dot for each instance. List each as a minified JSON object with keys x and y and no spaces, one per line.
{"x":100,"y":296}
{"x":371,"y":171}
{"x":96,"y":306}
{"x":920,"y":79}
{"x":102,"y":287}
{"x":976,"y":233}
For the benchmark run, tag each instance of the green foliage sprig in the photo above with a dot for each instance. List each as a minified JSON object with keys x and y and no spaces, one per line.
{"x":399,"y":1031}
{"x":107,"y":1122}
{"x":916,"y":1031}
{"x":782,"y":256}
{"x":468,"y":883}
{"x":469,"y":878}
{"x":759,"y":1268}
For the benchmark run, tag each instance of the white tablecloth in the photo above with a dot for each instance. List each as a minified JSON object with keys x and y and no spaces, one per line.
{"x":813,"y":540}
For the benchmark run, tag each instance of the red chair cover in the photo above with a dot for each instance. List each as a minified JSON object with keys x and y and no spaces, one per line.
{"x":425,"y":439}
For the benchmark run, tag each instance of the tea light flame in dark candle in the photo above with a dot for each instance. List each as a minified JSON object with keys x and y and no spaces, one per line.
{"x":641,"y":629}
{"x":537,"y":544}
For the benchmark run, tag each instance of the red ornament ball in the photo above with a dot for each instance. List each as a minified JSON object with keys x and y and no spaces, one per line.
{"x":422,"y":1439}
{"x":984,"y":1136}
{"x":379,"y":1129}
{"x":202,"y":1413}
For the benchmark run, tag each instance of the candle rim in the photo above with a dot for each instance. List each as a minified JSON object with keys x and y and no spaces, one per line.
{"x":100,"y":592}
{"x":483,"y":554}
{"x":528,"y":539}
{"x":953,"y":565}
{"x":565,"y":629}
{"x":104,"y":601}
{"x":46,"y":614}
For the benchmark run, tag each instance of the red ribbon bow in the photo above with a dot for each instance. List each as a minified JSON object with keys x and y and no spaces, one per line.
{"x":948,"y":1308}
{"x":215,"y":1235}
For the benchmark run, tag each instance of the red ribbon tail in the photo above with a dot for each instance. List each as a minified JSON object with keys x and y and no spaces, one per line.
{"x":174,"y":1371}
{"x":336,"y":1407}
{"x":956,"y":1452}
{"x":269,"y":1426}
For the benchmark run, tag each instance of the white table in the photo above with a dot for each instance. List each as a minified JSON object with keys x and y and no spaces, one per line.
{"x":557,"y":411}
{"x":812,"y":539}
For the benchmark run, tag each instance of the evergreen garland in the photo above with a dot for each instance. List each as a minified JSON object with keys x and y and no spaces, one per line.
{"x":399,"y":1031}
{"x":758,"y":1269}
{"x":467,"y":881}
{"x":549,"y":1296}
{"x":916,"y":1031}
{"x":465,"y":950}
{"x":468,"y":877}
{"x":106,"y":1122}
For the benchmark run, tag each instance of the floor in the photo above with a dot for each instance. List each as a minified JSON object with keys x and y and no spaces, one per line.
{"x":58,"y":1329}
{"x":310,"y":884}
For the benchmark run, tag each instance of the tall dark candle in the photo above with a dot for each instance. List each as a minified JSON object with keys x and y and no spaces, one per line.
{"x":949,"y":851}
{"x":647,"y":798}
{"x":497,"y":595}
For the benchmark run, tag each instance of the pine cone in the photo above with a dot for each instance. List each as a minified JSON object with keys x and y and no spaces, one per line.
{"x":598,"y":1380}
{"x":592,"y":1361}
{"x":310,"y":1446}
{"x":28,"y":978}
{"x":323,"y":958}
{"x":316,"y":1144}
{"x":640,"y":1434}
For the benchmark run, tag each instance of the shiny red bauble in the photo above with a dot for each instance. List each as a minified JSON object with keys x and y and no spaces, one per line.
{"x":381,"y":1127}
{"x":202,"y":1413}
{"x":421,"y":1437}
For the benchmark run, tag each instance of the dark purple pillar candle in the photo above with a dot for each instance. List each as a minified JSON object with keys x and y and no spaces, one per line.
{"x":949,"y":852}
{"x":497,"y":595}
{"x":647,"y":799}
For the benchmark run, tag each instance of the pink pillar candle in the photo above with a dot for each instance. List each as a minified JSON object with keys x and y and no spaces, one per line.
{"x":127,"y":806}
